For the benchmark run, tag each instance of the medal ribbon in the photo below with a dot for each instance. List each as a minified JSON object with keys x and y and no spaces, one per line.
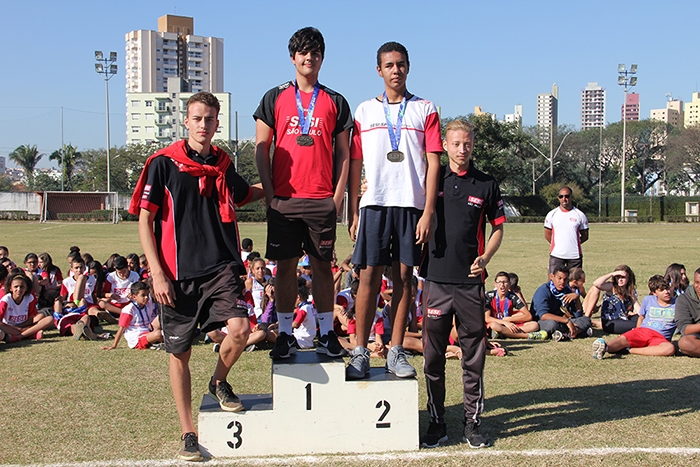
{"x":502,"y":311}
{"x":394,"y":132}
{"x":305,"y":122}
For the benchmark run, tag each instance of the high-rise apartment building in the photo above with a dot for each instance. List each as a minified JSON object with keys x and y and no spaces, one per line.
{"x":592,"y":106}
{"x":160,"y":116}
{"x":692,"y":111}
{"x":173,"y":51}
{"x":673,"y":113}
{"x":630,"y":110}
{"x":547,"y":110}
{"x":516,"y":116}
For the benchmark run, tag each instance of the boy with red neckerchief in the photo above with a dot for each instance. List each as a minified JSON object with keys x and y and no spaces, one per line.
{"x":185,"y":200}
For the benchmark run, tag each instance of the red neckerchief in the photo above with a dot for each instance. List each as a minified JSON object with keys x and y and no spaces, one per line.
{"x":208,"y":176}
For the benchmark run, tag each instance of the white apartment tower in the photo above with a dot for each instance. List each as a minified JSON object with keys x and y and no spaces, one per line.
{"x":516,"y":116}
{"x":547,"y":109}
{"x":173,"y":51}
{"x":592,"y":106}
{"x":691,"y":111}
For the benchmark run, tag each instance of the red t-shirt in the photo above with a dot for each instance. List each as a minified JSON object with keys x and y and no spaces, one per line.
{"x":303,"y":171}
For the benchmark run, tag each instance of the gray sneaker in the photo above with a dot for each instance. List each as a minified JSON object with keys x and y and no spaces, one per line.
{"x":358,"y":368}
{"x":396,"y":363}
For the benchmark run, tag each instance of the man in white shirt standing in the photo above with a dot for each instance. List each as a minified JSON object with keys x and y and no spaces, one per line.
{"x":565,"y":228}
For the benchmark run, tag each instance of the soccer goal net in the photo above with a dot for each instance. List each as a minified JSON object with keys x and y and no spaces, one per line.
{"x":79,"y":206}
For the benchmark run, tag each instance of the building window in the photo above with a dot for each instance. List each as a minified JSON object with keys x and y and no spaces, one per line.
{"x":149,"y":129}
{"x":134,"y":129}
{"x":134,"y":103}
{"x":149,"y":103}
{"x":149,"y":116}
{"x":134,"y":116}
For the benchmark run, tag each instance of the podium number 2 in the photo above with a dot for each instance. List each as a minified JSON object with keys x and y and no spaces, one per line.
{"x":236,"y":434}
{"x":387,"y":407}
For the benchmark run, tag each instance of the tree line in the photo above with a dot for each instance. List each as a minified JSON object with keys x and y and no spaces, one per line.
{"x":655,"y":152}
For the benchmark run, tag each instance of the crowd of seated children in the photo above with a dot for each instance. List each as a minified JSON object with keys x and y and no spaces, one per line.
{"x":655,"y":325}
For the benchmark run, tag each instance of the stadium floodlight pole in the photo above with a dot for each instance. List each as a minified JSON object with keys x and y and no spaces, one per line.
{"x":626,"y":79}
{"x":106,"y":67}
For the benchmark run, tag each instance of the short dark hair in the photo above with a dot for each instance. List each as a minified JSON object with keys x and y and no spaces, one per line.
{"x":658,"y":282}
{"x":392,"y":47}
{"x":120,"y":263}
{"x":137,"y":287}
{"x":576,"y":274}
{"x":560,"y":268}
{"x":3,"y":274}
{"x":502,"y":274}
{"x":205,"y":98}
{"x":308,"y":39}
{"x":31,"y":256}
{"x":77,"y":259}
{"x":302,"y":290}
{"x":246,"y":243}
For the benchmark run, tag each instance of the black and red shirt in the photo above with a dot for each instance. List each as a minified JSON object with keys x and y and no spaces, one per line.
{"x":303,"y":171}
{"x":191,"y":239}
{"x":465,"y":202}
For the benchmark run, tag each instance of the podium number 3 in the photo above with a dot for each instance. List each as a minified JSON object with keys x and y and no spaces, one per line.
{"x":387,"y":407}
{"x":236,"y":434}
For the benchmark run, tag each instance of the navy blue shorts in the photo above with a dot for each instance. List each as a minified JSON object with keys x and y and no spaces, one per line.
{"x":387,"y":234}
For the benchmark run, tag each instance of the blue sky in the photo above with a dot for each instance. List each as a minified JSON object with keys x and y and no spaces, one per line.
{"x":494,"y":53}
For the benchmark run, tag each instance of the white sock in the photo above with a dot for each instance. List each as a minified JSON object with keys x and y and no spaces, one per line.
{"x":325,"y":322}
{"x":285,"y":322}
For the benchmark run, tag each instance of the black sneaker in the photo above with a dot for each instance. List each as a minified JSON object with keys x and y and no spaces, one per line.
{"x":473,"y":436}
{"x":330,"y":346}
{"x":285,"y":346}
{"x":189,"y":451}
{"x":223,"y":392}
{"x":436,"y":434}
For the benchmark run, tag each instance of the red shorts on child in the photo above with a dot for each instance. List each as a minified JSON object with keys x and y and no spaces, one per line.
{"x":143,"y":343}
{"x":644,"y":337}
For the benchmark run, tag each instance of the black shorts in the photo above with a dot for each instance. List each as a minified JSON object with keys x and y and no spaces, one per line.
{"x":387,"y":234}
{"x":206,"y":302}
{"x":296,"y":223}
{"x":568,"y":263}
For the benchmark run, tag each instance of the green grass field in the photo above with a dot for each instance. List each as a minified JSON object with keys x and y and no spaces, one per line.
{"x":546,"y":404}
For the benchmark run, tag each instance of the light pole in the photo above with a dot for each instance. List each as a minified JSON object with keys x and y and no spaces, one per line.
{"x":107,"y":68}
{"x":626,"y":80}
{"x":550,"y":159}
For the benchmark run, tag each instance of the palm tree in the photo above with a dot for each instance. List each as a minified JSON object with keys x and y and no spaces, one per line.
{"x":27,"y":157}
{"x":67,"y":157}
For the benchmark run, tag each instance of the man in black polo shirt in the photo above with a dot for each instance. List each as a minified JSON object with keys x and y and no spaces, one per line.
{"x":188,"y":190}
{"x":466,"y":198}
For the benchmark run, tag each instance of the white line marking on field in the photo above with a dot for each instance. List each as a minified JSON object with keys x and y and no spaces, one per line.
{"x":420,"y":455}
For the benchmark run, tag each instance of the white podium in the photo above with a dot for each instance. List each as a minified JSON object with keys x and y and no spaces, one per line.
{"x":313,"y":409}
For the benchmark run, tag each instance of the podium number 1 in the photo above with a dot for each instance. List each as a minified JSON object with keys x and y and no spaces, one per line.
{"x":387,"y":407}
{"x":308,"y":396}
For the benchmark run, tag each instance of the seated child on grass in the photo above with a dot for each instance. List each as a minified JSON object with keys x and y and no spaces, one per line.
{"x":304,"y":324}
{"x":138,"y":322}
{"x":120,"y":280}
{"x":74,"y":300}
{"x":655,"y":326}
{"x":18,"y":315}
{"x":507,"y":315}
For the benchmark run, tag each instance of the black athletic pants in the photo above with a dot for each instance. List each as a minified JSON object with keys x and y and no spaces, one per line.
{"x":442,"y":302}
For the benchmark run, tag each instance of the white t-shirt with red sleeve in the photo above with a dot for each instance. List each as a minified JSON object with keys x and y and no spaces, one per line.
{"x":395,"y":184}
{"x":68,"y":288}
{"x":15,"y":314}
{"x":121,"y":288}
{"x":136,"y":321}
